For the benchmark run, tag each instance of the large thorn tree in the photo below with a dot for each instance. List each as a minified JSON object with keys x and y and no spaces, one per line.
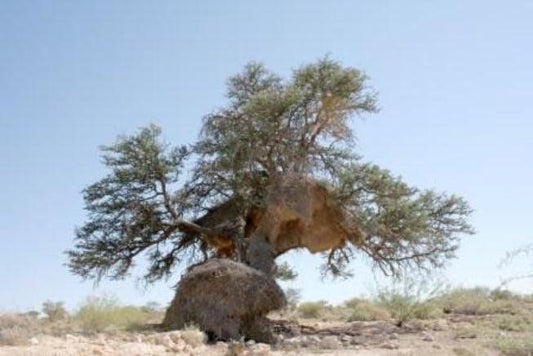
{"x":270,"y":132}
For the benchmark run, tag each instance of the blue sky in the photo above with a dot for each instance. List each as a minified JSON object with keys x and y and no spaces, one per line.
{"x":455,"y":82}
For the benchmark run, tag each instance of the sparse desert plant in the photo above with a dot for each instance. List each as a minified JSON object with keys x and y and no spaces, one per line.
{"x":364,"y":310}
{"x":409,"y":298}
{"x":513,"y":346}
{"x":54,"y":311}
{"x":479,"y":301}
{"x":293,"y":298}
{"x":511,"y":323}
{"x":466,"y":332}
{"x":427,"y":310}
{"x":400,"y":306}
{"x":469,"y":301}
{"x":193,"y":336}
{"x":17,"y":329}
{"x":503,"y":294}
{"x":523,"y":251}
{"x":100,"y":313}
{"x":312,"y":310}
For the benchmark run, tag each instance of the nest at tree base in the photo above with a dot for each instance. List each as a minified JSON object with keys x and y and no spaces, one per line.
{"x":227,"y":300}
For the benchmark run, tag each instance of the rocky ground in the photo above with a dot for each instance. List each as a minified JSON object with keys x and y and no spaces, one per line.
{"x":463,"y":336}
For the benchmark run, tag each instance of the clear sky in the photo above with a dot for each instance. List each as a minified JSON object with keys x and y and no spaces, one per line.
{"x":455,"y":80}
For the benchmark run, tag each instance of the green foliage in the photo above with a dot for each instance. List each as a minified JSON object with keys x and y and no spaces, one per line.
{"x":511,"y":323}
{"x":270,"y":127}
{"x":365,"y":310}
{"x":284,"y":272}
{"x":502,"y":294}
{"x":312,"y":310}
{"x":54,"y":311}
{"x":478,"y":301}
{"x":513,"y":346}
{"x":470,"y":301}
{"x":102,"y":313}
{"x":411,"y":297}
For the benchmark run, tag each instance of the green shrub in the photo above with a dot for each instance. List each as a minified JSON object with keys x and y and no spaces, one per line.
{"x":479,"y":301}
{"x":400,"y":306}
{"x":100,"y":313}
{"x":427,"y":310}
{"x":469,"y":301}
{"x":312,"y":310}
{"x":362,"y":310}
{"x":513,"y":346}
{"x":409,"y":298}
{"x":509,"y":323}
{"x":502,"y":294}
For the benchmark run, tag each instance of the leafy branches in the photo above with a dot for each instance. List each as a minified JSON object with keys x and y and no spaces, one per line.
{"x":270,"y":129}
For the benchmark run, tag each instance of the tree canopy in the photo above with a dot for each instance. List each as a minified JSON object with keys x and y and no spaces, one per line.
{"x":269,"y":129}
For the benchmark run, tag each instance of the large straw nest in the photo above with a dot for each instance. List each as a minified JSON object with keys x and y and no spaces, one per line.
{"x":227,"y":300}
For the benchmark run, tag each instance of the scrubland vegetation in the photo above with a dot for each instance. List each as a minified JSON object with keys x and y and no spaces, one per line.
{"x":495,"y":319}
{"x":498,"y":318}
{"x":95,"y":315}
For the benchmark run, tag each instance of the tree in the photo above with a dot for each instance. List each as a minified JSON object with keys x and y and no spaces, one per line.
{"x":54,"y":311}
{"x":277,"y":145}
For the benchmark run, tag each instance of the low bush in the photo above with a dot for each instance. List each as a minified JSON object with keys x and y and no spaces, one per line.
{"x":364,"y":310}
{"x":54,"y":311}
{"x":479,"y":301}
{"x":102,"y":313}
{"x":193,"y":336}
{"x":513,"y":346}
{"x":17,"y":329}
{"x":312,"y":310}
{"x":469,"y":301}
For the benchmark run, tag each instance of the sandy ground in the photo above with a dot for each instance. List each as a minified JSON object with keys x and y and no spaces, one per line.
{"x":437,"y":337}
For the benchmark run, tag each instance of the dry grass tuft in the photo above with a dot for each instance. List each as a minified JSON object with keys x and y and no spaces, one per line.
{"x":17,"y":329}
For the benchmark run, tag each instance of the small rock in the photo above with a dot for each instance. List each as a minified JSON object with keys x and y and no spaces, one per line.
{"x":260,"y":349}
{"x":293,"y":342}
{"x":250,"y":343}
{"x":70,"y":337}
{"x":236,"y":349}
{"x":34,"y":341}
{"x":427,"y":337}
{"x":220,"y":348}
{"x":330,"y":342}
{"x":393,"y":336}
{"x":188,"y":349}
{"x":178,"y":346}
{"x":345,"y":339}
{"x":314,"y":340}
{"x":389,"y":346}
{"x":175,"y":336}
{"x":438,"y":347}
